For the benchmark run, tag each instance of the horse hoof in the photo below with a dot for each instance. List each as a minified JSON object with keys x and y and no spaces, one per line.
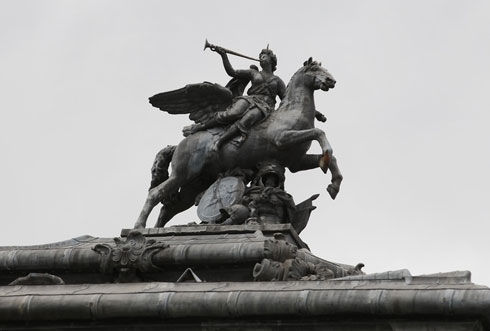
{"x":138,"y":226}
{"x":333,"y":191}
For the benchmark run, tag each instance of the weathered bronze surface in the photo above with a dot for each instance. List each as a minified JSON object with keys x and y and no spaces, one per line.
{"x":213,"y":252}
{"x":224,"y":193}
{"x":239,"y":133}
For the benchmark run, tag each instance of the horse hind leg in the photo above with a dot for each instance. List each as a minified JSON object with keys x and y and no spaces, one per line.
{"x":184,"y":200}
{"x":159,"y":174}
{"x":155,"y":195}
{"x":168,"y":211}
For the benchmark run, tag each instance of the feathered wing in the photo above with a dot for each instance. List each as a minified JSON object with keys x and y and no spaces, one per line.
{"x":200,"y":100}
{"x":237,"y":86}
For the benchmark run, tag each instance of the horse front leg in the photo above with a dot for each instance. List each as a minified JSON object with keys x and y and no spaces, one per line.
{"x":290,"y":138}
{"x":311,"y":161}
{"x":307,"y":162}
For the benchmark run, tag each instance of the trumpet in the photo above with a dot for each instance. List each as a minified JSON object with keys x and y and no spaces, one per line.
{"x":213,"y":48}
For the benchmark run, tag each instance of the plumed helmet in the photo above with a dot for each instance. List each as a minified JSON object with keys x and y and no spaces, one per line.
{"x":266,"y":168}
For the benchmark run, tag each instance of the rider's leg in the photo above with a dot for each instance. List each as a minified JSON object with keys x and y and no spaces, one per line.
{"x":242,"y":126}
{"x":248,"y":120}
{"x":233,"y":113}
{"x":232,"y":131}
{"x":230,"y":115}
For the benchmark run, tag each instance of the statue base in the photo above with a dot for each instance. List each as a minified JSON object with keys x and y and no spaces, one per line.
{"x":247,"y":277}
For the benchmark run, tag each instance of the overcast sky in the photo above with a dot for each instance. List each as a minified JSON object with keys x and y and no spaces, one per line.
{"x":408,"y":119}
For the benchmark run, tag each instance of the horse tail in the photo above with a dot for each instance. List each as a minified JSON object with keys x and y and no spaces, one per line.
{"x":159,"y":170}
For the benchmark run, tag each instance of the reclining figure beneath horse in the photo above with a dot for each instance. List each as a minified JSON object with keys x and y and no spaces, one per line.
{"x":283,"y":136}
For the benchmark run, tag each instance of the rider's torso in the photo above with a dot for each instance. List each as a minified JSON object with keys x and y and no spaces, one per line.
{"x":264,"y":87}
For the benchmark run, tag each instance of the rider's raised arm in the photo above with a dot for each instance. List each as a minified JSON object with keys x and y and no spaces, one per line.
{"x":281,"y":88}
{"x":229,"y":69}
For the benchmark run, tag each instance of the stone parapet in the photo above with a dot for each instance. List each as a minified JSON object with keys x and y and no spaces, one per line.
{"x":390,"y":302}
{"x":213,"y":252}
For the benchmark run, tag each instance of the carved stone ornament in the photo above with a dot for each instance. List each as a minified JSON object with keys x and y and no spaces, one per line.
{"x":279,"y":250}
{"x":35,"y":278}
{"x":283,"y":261}
{"x":133,"y":253}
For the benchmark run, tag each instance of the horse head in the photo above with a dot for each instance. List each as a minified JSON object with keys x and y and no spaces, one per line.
{"x":316,"y":76}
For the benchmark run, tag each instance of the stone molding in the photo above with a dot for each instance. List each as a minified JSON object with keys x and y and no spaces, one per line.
{"x":156,"y":301}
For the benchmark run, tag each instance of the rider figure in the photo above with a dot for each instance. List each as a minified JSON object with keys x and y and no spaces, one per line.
{"x":257,"y":105}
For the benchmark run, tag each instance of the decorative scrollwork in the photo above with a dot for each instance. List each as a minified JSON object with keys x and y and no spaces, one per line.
{"x":131,"y":254}
{"x":290,"y":269}
{"x":283,"y":261}
{"x":279,"y":250}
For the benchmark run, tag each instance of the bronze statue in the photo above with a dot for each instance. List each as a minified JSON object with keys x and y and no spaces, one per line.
{"x":229,"y":201}
{"x":283,"y":135}
{"x":245,"y":111}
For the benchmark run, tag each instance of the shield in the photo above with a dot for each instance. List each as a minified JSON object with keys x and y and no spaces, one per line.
{"x":224,"y":192}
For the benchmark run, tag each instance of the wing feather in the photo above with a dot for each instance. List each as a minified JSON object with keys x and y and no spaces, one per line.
{"x":200,"y":101}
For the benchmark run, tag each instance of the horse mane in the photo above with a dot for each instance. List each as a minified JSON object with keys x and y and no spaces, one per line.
{"x":307,"y":65}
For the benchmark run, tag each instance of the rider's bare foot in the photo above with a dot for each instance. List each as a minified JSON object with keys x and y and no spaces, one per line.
{"x":191,"y":129}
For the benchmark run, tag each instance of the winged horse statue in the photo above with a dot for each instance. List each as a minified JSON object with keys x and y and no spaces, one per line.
{"x":285,"y":136}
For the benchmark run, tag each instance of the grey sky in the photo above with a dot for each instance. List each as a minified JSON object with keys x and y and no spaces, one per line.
{"x":408,"y":119}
